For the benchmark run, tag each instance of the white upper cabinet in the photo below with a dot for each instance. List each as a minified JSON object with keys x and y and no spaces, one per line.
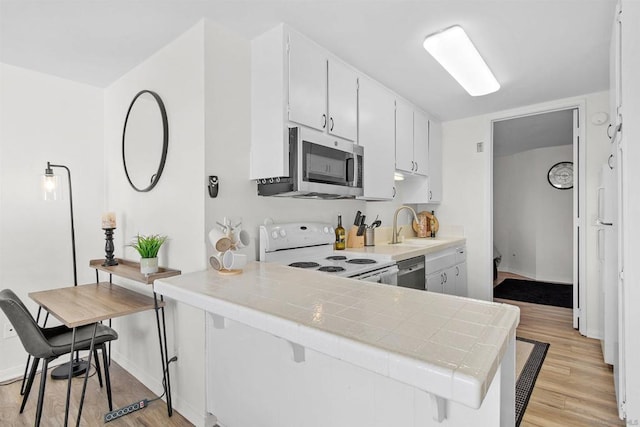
{"x":376,"y":135}
{"x":307,"y":83}
{"x":420,"y":143}
{"x":323,"y":92}
{"x":412,"y":139}
{"x":404,"y":136}
{"x":435,"y":162}
{"x":342,"y":100}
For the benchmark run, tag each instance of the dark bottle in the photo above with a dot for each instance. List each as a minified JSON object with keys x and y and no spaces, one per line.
{"x":340,"y":235}
{"x":432,"y":224}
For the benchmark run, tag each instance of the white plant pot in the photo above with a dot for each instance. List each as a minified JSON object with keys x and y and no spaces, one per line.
{"x":148,"y":265}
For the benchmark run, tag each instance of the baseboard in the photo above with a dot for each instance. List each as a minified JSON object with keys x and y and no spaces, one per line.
{"x":533,"y":276}
{"x":154,"y":383}
{"x":18,"y":371}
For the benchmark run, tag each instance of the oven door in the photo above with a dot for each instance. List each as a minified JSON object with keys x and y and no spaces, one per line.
{"x":386,"y":276}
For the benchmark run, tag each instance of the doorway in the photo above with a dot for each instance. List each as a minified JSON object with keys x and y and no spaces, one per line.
{"x":536,"y":210}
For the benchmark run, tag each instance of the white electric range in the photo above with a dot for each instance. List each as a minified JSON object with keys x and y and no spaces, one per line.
{"x":309,"y":245}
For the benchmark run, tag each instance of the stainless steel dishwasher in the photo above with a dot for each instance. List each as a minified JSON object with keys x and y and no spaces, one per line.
{"x":411,"y":273}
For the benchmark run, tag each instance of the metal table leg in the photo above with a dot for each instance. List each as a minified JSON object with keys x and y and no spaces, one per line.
{"x":86,"y":374}
{"x":66,"y":406}
{"x":164,"y":353}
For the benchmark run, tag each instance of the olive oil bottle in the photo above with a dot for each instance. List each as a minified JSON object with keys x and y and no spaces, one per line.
{"x":340,"y":235}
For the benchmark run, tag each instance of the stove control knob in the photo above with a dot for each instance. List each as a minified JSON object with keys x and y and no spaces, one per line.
{"x":283,"y":233}
{"x":274,"y":234}
{"x":326,"y":230}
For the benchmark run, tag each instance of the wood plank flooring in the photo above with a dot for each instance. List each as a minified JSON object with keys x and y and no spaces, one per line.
{"x":575,"y":386}
{"x":126,"y":389}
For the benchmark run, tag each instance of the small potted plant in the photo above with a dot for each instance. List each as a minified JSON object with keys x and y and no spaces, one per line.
{"x":148,"y":247}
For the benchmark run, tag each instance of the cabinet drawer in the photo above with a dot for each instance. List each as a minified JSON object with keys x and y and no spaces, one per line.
{"x":440,"y":261}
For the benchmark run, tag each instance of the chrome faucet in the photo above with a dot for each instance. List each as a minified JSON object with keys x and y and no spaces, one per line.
{"x":394,"y":230}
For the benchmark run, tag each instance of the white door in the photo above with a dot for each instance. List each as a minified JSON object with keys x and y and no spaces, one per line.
{"x":376,"y":135}
{"x":450,"y":278}
{"x":435,"y":281}
{"x":404,"y":137}
{"x":435,"y":162}
{"x":420,"y":143}
{"x":342,"y":101}
{"x":579,"y":241}
{"x":307,"y":83}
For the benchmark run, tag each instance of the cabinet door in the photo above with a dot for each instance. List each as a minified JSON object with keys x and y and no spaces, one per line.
{"x":376,"y":135}
{"x":343,"y":101}
{"x":435,"y":162}
{"x":307,"y":83}
{"x":435,"y":281}
{"x":461,"y":279}
{"x":404,"y":137}
{"x":449,"y":281}
{"x":420,"y":143}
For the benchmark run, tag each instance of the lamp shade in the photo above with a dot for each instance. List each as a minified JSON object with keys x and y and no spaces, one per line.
{"x":50,"y":188}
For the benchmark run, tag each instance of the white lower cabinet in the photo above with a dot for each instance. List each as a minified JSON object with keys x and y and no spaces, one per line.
{"x":446,"y":272}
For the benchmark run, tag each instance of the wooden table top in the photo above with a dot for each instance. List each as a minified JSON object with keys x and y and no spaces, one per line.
{"x":85,"y":304}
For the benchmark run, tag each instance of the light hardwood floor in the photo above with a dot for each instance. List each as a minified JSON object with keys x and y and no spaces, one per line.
{"x":575,"y":386}
{"x":125,"y":390}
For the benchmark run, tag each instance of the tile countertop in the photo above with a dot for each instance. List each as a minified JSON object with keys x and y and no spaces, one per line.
{"x":446,"y":345}
{"x":410,"y":247}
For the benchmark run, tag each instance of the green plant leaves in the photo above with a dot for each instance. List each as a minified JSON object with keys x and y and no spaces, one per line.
{"x":148,"y":246}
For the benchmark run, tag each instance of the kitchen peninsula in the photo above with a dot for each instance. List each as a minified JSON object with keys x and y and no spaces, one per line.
{"x":286,"y":347}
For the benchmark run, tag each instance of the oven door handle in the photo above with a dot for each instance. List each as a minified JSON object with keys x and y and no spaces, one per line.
{"x":385,"y":276}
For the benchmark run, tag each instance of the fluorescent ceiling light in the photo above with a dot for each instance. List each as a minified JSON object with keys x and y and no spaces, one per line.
{"x":455,"y":51}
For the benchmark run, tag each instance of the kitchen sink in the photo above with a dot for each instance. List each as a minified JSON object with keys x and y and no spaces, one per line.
{"x":420,"y":242}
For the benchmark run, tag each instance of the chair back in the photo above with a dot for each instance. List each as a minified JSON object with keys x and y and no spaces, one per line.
{"x":28,"y":331}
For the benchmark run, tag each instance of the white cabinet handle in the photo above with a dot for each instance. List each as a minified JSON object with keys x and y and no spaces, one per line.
{"x":445,"y":277}
{"x":416,"y":166}
{"x":457,"y":270}
{"x":331,"y":120}
{"x":324,"y":121}
{"x":430,"y":195}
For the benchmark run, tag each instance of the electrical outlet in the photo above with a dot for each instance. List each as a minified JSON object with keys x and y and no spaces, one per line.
{"x":9,"y":332}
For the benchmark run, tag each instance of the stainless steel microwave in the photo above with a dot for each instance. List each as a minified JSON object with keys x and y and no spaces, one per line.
{"x":320,"y":166}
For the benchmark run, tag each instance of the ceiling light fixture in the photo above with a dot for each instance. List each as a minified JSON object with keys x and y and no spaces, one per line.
{"x":455,"y":51}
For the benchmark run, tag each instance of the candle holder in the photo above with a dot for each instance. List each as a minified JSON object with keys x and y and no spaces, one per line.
{"x":108,"y":248}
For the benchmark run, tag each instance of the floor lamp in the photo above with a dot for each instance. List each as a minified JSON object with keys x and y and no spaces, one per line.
{"x":51,"y":191}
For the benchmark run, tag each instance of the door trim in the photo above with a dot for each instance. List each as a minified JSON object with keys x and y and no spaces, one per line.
{"x":580,"y":249}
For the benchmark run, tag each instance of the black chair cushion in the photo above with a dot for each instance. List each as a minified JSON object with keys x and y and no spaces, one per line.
{"x":59,"y":337}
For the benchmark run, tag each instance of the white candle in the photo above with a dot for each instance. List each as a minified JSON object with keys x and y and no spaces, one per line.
{"x":109,"y":220}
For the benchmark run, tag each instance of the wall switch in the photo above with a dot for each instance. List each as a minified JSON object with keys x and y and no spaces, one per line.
{"x":479,"y":147}
{"x":9,"y":332}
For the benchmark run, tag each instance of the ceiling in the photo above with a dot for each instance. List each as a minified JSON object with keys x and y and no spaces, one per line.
{"x":539,"y":50}
{"x":531,"y":132}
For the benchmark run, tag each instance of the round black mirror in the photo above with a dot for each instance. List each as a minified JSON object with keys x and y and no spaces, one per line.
{"x":145,"y":138}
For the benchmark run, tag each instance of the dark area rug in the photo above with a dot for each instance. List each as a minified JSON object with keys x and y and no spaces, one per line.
{"x":555,"y":294}
{"x":528,"y":376}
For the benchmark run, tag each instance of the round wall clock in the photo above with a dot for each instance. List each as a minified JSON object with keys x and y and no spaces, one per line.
{"x":561,"y":175}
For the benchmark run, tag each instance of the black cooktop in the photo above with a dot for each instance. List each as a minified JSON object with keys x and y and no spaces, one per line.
{"x":304,"y":264}
{"x":331,"y":269}
{"x":361,"y":261}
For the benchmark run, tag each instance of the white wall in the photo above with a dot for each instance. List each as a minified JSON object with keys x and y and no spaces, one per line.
{"x":45,"y":118}
{"x":532,"y":221}
{"x":467,"y":186}
{"x":175,"y":208}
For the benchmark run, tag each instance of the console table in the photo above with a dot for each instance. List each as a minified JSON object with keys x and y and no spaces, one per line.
{"x":131,"y":270}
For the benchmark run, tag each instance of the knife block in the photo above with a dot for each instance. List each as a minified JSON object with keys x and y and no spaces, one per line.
{"x":353,"y":240}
